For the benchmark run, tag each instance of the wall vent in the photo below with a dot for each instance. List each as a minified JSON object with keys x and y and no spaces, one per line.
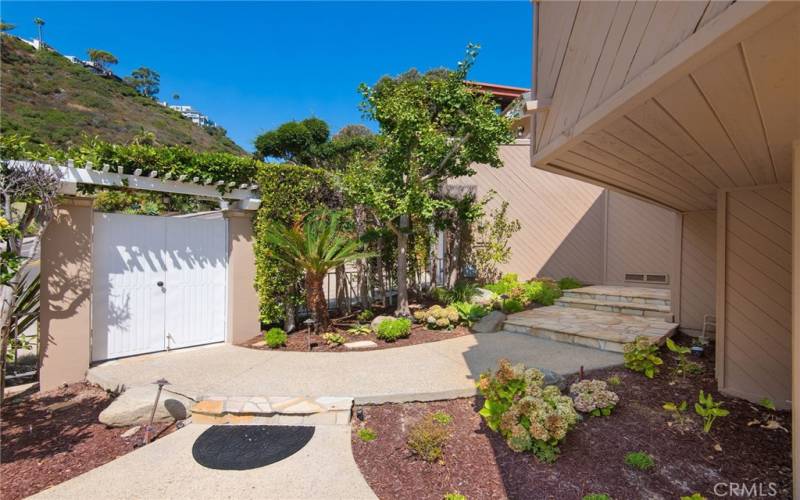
{"x":653,"y":279}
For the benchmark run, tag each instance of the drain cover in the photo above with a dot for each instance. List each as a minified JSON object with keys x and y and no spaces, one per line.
{"x":242,"y":447}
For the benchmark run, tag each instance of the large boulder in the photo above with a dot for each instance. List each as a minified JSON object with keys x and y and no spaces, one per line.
{"x":133,"y":407}
{"x":492,"y":322}
{"x":483,"y":297}
{"x":378,"y":320}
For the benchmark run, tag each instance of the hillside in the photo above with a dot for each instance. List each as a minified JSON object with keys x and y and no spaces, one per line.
{"x":45,"y":96}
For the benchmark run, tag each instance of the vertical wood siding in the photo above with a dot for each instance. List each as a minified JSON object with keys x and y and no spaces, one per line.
{"x":698,"y":271}
{"x":640,"y":239}
{"x":757,"y":337}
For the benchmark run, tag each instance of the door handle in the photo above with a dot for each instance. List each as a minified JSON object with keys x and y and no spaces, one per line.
{"x":160,"y":283}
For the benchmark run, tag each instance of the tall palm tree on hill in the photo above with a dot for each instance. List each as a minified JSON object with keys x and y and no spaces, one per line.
{"x":39,"y":22}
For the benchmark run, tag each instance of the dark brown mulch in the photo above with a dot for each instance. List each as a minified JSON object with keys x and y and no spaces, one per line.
{"x":298,"y":341}
{"x":479,"y":464}
{"x":50,"y":437}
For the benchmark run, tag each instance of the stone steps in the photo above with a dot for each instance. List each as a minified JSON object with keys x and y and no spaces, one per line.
{"x":608,"y":331}
{"x":272,"y":410}
{"x":630,"y":308}
{"x":624,"y":295}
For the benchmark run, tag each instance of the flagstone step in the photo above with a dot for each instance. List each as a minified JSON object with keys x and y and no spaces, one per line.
{"x":629,"y":308}
{"x":272,"y":410}
{"x":622,"y":294}
{"x":608,"y":331}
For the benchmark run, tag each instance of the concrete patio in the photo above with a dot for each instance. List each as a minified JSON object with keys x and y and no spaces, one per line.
{"x":424,"y":372}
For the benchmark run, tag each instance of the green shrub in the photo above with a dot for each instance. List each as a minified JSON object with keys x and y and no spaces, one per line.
{"x":275,"y":337}
{"x":596,"y":496}
{"x":393,"y":329}
{"x":366,"y":434}
{"x":543,"y":292}
{"x":438,"y":317}
{"x":511,"y":306}
{"x":461,"y":292}
{"x":469,"y":313}
{"x":642,"y":356}
{"x":639,"y":460}
{"x":442,"y":417}
{"x":359,"y":330}
{"x":530,"y":416}
{"x":333,"y":338}
{"x":614,"y":380}
{"x":694,"y":496}
{"x":593,"y":397}
{"x":568,"y":283}
{"x":365,"y":315}
{"x":454,"y":496}
{"x":427,"y":438}
{"x":709,"y":409}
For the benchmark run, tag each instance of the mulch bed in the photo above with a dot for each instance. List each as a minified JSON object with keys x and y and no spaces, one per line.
{"x":479,"y":464}
{"x":50,"y":437}
{"x":298,"y":341}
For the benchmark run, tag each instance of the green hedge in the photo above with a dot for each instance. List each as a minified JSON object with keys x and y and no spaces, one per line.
{"x":288,"y":192}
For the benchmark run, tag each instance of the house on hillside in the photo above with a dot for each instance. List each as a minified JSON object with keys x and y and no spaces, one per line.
{"x":195,"y":116}
{"x":693,"y":107}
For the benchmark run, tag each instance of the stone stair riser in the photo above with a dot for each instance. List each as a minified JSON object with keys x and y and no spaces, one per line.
{"x":618,"y":308}
{"x":567,"y":338}
{"x":617,"y":298}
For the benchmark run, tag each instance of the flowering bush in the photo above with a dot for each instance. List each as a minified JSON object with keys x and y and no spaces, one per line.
{"x":529,"y":415}
{"x":438,"y":317}
{"x":593,"y":397}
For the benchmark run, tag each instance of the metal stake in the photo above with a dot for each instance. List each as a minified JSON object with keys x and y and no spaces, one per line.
{"x":149,"y":429}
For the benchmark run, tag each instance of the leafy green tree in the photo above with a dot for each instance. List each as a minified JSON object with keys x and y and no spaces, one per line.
{"x":294,"y":142}
{"x":433,"y":127}
{"x":39,"y":22}
{"x":101,"y":58}
{"x":145,"y":80}
{"x":316,"y":246}
{"x":6,"y":27}
{"x":176,"y":97}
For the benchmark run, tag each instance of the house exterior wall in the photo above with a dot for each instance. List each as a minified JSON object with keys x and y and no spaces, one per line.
{"x":754,"y":303}
{"x":639,"y":239}
{"x":243,"y":309}
{"x":697,"y":269}
{"x":573,"y":228}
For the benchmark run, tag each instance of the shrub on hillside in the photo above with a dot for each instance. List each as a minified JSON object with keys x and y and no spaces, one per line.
{"x":393,"y":329}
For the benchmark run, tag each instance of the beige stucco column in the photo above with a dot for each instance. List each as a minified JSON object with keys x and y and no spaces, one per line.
{"x":66,"y":284}
{"x":243,"y":310}
{"x":796,"y":317}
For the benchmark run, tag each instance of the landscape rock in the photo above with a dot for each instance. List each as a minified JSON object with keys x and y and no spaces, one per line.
{"x":483,"y":297}
{"x":553,"y":378}
{"x":133,"y":407}
{"x":492,"y":322}
{"x":360,"y":344}
{"x":131,"y":432}
{"x":378,"y":320}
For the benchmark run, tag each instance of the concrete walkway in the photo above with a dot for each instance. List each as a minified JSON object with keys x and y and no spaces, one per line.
{"x":424,"y":372}
{"x":165,"y":469}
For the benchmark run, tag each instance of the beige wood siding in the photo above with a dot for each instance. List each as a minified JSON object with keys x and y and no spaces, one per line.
{"x":698,"y":269}
{"x":755,"y":342}
{"x":640,"y":239}
{"x":561,"y":218}
{"x":587,"y":51}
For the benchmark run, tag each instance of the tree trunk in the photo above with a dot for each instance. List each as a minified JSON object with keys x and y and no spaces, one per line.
{"x":361,"y":264}
{"x":379,"y":272}
{"x":317,"y":304}
{"x":402,"y":268}
{"x":342,"y":297}
{"x":290,"y":311}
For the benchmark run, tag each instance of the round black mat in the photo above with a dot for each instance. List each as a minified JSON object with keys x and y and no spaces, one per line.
{"x":242,"y":447}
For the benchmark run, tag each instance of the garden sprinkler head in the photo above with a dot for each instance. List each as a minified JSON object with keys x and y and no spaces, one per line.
{"x":360,"y":414}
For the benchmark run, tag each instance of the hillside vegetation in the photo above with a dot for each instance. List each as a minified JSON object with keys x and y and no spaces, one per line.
{"x":55,"y":102}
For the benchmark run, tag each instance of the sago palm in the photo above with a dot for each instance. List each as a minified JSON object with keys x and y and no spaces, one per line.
{"x":316,"y":246}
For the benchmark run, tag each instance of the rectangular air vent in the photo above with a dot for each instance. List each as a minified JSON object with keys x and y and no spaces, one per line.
{"x":654,"y":279}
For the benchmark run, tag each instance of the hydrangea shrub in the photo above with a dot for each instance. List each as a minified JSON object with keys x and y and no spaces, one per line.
{"x":529,"y":415}
{"x":438,"y":317}
{"x":593,"y":397}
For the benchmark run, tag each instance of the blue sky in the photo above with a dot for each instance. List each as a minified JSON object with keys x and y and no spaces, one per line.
{"x":252,"y":66}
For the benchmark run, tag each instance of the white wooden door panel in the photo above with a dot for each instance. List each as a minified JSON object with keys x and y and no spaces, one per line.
{"x":196,"y":298}
{"x":127,"y":303}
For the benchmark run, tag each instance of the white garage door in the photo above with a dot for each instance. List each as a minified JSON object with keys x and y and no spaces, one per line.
{"x":158,"y":283}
